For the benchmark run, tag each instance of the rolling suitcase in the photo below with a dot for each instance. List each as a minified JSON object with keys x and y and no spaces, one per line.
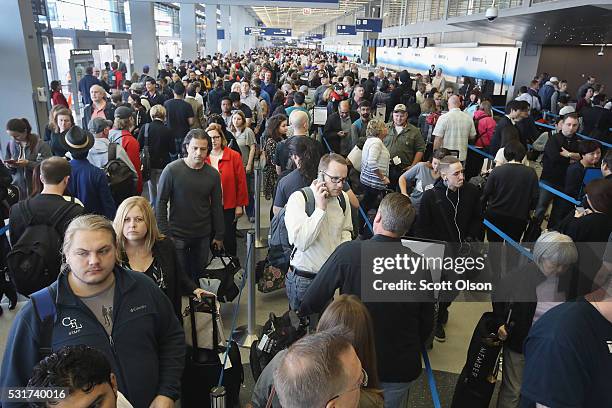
{"x":203,"y":366}
{"x":477,"y":380}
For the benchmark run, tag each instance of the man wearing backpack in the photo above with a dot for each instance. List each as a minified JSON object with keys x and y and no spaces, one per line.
{"x":42,"y":217}
{"x":317,"y":221}
{"x":97,"y":303}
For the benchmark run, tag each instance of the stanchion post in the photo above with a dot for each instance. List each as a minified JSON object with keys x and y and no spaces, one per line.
{"x":259,"y":241}
{"x":246,"y":335}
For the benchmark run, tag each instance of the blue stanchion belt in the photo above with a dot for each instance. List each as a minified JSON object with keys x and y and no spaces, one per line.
{"x":481,"y":152}
{"x":559,"y":193}
{"x":542,"y":185}
{"x":509,"y":240}
{"x":4,"y":229}
{"x":432,"y":381}
{"x":544,"y":125}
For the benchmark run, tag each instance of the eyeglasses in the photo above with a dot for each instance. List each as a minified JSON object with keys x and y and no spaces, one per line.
{"x":363,"y":383}
{"x":335,"y":180}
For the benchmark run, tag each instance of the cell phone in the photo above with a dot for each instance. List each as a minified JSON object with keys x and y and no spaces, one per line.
{"x":320,"y":178}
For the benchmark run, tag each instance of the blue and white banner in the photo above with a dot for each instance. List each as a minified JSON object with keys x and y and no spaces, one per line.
{"x":493,"y":63}
{"x":267,"y":31}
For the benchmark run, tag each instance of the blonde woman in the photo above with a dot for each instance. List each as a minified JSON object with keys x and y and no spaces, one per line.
{"x":142,"y":248}
{"x":245,"y":137}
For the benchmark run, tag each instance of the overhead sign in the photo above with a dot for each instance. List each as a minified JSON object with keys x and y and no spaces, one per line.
{"x":80,"y":52}
{"x":267,"y":31}
{"x":314,"y":37}
{"x":342,"y":29}
{"x":369,"y":25}
{"x":220,"y":34}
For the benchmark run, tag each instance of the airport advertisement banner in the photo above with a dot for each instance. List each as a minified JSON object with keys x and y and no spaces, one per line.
{"x":267,"y":31}
{"x":493,"y":63}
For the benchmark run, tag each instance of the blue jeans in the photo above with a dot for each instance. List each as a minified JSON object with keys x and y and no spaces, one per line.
{"x":296,"y":288}
{"x":396,"y":394}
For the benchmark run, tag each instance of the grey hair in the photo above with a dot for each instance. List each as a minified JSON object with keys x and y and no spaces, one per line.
{"x":556,"y":248}
{"x":397,"y":213}
{"x":375,"y":128}
{"x":311,"y":372}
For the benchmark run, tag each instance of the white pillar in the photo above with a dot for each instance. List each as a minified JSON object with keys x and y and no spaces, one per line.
{"x":144,"y":39}
{"x":236,"y":28}
{"x":225,"y":25}
{"x":211,"y":29}
{"x":21,"y":67}
{"x":189,"y":40}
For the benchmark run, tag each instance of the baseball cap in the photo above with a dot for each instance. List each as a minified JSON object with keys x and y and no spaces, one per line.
{"x":97,"y":125}
{"x":554,"y":79}
{"x":123,"y":112}
{"x":566,"y":109}
{"x":400,"y":107}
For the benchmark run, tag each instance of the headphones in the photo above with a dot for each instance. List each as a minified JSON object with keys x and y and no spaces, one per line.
{"x":455,"y":207}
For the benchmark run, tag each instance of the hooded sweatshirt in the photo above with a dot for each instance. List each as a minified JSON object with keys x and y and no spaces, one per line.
{"x":132,"y":148}
{"x":485,"y":127}
{"x":98,"y":155}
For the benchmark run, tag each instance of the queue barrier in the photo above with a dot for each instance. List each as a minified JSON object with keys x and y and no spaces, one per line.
{"x":544,"y":125}
{"x":554,"y":115}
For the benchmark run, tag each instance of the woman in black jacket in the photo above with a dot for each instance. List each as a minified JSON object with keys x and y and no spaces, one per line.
{"x":142,"y":248}
{"x":525,"y":295}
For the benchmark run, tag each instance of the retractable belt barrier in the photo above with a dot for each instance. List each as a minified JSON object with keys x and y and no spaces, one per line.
{"x":544,"y":125}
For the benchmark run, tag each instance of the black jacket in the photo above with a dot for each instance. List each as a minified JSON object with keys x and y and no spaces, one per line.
{"x":597,"y":122}
{"x":161,"y":143}
{"x":333,"y":126}
{"x":42,"y":207}
{"x":554,"y":166}
{"x":400,"y":328}
{"x":437,"y":216}
{"x":517,"y":291}
{"x":177,"y":282}
{"x":109,"y":112}
{"x":214,"y":99}
{"x":146,"y":349}
{"x":495,"y":144}
{"x":512,"y":190}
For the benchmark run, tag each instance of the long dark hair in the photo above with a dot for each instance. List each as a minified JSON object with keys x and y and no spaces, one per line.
{"x":272,"y":126}
{"x":309,"y":153}
{"x":22,"y":126}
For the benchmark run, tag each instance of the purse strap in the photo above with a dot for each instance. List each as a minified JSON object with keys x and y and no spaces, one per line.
{"x":271,"y":397}
{"x":194,"y":334}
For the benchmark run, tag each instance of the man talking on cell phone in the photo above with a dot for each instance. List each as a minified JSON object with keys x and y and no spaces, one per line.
{"x":318,"y":219}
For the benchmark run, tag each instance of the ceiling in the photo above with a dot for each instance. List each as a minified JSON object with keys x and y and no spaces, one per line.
{"x":298,"y":21}
{"x":567,"y":26}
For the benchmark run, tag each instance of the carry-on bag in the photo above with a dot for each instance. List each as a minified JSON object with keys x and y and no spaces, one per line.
{"x":203,"y":366}
{"x":222,"y":276}
{"x":477,"y":380}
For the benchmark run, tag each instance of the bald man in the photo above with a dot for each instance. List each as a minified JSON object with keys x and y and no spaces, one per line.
{"x":299,"y":123}
{"x":99,"y":107}
{"x":454,"y":129}
{"x":337,"y":130}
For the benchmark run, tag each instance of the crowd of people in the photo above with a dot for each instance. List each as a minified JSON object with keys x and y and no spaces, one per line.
{"x":159,"y":171}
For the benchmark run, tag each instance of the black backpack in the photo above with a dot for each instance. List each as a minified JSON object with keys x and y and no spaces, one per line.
{"x":35,"y":261}
{"x":120,"y":176}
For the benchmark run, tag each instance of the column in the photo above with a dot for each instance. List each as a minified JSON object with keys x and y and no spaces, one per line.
{"x":225,"y":25}
{"x":236,"y":28}
{"x":526,"y":66}
{"x":144,"y":37}
{"x":211,"y":29}
{"x":189,"y":40}
{"x":22,"y":68}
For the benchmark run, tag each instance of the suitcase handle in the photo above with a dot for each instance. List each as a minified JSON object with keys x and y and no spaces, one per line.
{"x":211,"y":301}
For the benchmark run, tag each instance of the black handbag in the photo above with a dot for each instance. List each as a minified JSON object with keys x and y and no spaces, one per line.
{"x":145,"y":156}
{"x":222,"y":276}
{"x":533,"y":231}
{"x":203,"y":366}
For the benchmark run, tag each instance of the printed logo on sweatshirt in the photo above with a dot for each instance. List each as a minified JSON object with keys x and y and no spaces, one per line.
{"x":137,"y":308}
{"x":609,"y":346}
{"x":72,"y":324}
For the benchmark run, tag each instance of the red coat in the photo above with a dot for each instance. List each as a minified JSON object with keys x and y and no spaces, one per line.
{"x":233,"y":179}
{"x":58,"y":98}
{"x":486,"y":128}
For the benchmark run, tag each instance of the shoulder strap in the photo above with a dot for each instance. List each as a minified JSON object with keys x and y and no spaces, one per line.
{"x":309,"y":199}
{"x":112,"y":151}
{"x":44,"y":305}
{"x":59,"y":215}
{"x":342,"y":202}
{"x":26,"y":214}
{"x":146,"y":135}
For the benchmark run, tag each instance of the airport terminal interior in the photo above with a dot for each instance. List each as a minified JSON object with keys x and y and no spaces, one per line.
{"x":305,"y":204}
